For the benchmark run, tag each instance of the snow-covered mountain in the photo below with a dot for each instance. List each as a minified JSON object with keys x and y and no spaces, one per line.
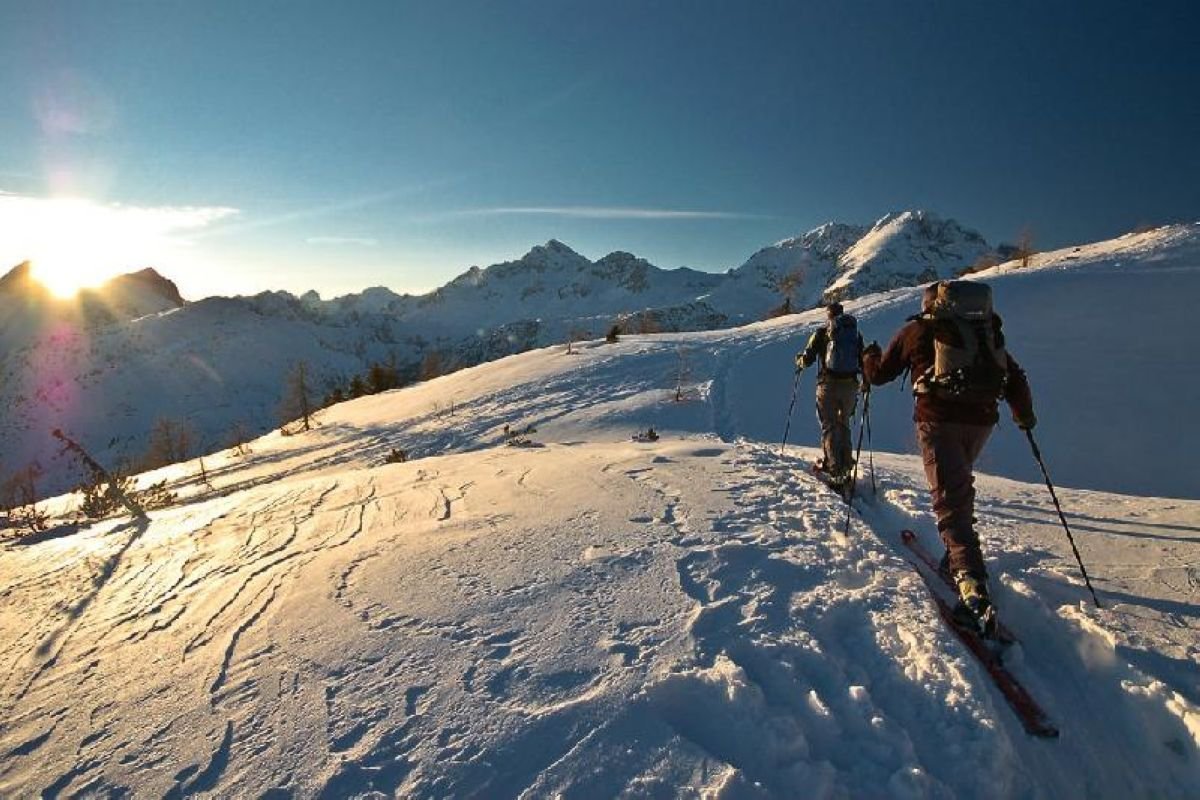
{"x":802,"y":267}
{"x":28,"y":309}
{"x":836,"y":262}
{"x":906,"y":249}
{"x":221,"y":362}
{"x":591,"y":616}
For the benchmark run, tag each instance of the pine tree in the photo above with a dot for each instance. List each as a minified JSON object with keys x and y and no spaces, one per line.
{"x":787,"y":285}
{"x":1025,"y":249}
{"x":297,"y":404}
{"x":431,"y":365}
{"x":170,"y":442}
{"x":382,"y":377}
{"x":104,"y":489}
{"x":336,"y":395}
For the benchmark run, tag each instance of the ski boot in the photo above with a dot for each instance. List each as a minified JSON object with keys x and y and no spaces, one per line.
{"x":974,"y":609}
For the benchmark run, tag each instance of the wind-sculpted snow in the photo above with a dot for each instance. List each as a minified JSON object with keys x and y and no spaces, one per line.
{"x":584,"y":619}
{"x":590,"y":616}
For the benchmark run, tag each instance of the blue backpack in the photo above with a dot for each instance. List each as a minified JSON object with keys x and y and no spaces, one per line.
{"x":842,"y":347}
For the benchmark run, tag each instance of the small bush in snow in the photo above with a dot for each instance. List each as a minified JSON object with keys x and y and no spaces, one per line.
{"x":103,"y":498}
{"x":781,"y":310}
{"x":576,"y":335}
{"x":18,"y":500}
{"x":105,"y":485}
{"x":238,"y":439}
{"x":105,"y":495}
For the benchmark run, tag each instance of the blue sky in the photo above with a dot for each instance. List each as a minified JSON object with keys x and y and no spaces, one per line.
{"x":341,"y":145}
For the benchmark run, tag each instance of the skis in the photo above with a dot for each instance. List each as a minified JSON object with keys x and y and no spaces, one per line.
{"x":1032,"y":717}
{"x":1003,"y":635}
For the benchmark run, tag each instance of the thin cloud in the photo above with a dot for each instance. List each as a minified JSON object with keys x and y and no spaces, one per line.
{"x":339,"y":207}
{"x":339,"y":241}
{"x":20,"y":213}
{"x":103,"y":237}
{"x":604,"y":212}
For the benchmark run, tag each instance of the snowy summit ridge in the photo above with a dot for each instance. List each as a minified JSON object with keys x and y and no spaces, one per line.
{"x":906,"y":249}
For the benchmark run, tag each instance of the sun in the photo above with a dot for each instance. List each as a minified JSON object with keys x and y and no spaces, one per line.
{"x":78,"y":244}
{"x":64,"y":276}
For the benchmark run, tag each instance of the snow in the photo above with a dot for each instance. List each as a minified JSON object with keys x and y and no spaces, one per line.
{"x":593,"y":616}
{"x":92,"y":384}
{"x":906,"y":249}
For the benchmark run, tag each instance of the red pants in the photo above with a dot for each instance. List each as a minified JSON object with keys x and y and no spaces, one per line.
{"x":949,"y":450}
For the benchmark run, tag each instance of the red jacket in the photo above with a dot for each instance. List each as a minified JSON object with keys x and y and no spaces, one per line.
{"x":912,"y":350}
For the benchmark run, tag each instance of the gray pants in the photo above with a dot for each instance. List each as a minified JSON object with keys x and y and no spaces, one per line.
{"x":836,"y":400}
{"x":949,"y":450}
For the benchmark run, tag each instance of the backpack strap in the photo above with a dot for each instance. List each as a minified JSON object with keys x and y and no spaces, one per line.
{"x":920,"y":383}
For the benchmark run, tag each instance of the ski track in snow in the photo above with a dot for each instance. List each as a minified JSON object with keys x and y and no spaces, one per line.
{"x":588,"y":617}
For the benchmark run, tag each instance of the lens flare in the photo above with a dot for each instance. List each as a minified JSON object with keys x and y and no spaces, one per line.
{"x":74,"y":244}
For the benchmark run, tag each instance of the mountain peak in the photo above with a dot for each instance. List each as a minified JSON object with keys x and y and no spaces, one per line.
{"x":904,"y":217}
{"x":148,"y":279}
{"x":554,"y":255}
{"x":19,"y":278}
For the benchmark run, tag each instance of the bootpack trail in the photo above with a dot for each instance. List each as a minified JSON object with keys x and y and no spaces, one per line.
{"x":1032,"y":717}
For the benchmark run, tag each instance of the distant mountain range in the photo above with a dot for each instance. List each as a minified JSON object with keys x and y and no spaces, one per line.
{"x":107,"y":364}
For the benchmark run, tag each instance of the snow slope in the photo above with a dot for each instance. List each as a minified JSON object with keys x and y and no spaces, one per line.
{"x":221,"y":362}
{"x":592,"y":616}
{"x":1105,"y":339}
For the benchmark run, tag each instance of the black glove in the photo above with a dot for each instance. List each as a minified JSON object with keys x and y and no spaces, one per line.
{"x":1025,"y":422}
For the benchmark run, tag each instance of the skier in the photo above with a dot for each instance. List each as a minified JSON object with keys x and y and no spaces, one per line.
{"x":954,"y":350}
{"x":838,"y":348}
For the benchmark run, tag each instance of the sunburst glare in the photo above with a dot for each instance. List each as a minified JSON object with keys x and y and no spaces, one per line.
{"x":75,"y":243}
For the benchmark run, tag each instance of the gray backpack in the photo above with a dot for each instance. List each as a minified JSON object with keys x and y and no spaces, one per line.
{"x":970,"y":364}
{"x":842,"y":353}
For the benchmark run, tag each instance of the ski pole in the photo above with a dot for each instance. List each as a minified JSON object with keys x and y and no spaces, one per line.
{"x":870,"y":445}
{"x":862,"y":426}
{"x":791,"y":407}
{"x":1037,"y":454}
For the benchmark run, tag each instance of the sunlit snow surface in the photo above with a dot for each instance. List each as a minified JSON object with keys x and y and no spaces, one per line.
{"x":594,"y":617}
